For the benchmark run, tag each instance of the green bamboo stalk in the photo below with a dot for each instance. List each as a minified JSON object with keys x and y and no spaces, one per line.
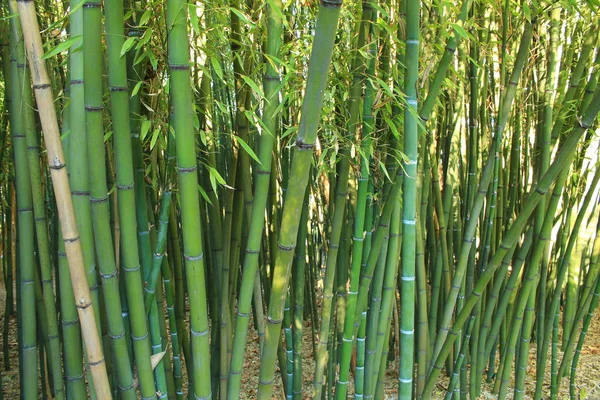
{"x":261,"y":191}
{"x":43,"y":248}
{"x":72,"y":354}
{"x":388,"y":297}
{"x":359,"y":372}
{"x":339,"y":207}
{"x":486,"y":175}
{"x":41,"y":84}
{"x":582,"y":335}
{"x":562,"y":269}
{"x":25,"y":225}
{"x":159,"y":250}
{"x":594,"y":271}
{"x":561,"y":161}
{"x":358,"y":236}
{"x":372,"y":322}
{"x":317,"y":78}
{"x":298,"y":275}
{"x":79,"y":175}
{"x":575,"y":79}
{"x":546,"y":139}
{"x":98,"y":195}
{"x":409,"y":202}
{"x":181,"y":97}
{"x":452,"y":386}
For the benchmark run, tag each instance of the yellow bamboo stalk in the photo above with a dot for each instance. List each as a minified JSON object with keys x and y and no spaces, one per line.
{"x":62,"y":192}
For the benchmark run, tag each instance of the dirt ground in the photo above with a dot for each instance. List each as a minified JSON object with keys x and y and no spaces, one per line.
{"x":587,"y":382}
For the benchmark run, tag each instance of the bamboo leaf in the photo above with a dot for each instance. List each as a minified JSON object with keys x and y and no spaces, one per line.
{"x":145,"y":17}
{"x":248,"y":149}
{"x":127,"y":45}
{"x":136,"y":88}
{"x":204,"y":195}
{"x":217,"y":67}
{"x":460,"y":31}
{"x":255,"y":88}
{"x":214,"y":173}
{"x":154,"y":137}
{"x":242,"y":16}
{"x":74,"y":41}
{"x":194,"y":18}
{"x":145,"y":128}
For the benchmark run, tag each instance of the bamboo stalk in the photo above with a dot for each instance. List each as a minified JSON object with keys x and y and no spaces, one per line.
{"x":62,"y":191}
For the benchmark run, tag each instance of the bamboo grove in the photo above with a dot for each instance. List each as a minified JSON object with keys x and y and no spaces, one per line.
{"x":298,"y":199}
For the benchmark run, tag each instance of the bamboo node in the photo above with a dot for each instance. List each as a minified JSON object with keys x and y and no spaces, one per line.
{"x":95,"y":200}
{"x":131,"y":269}
{"x":286,"y":248}
{"x":41,"y":86}
{"x":185,"y":170}
{"x":193,"y":258}
{"x":125,"y":388}
{"x":303,"y":145}
{"x":116,"y":337}
{"x":90,"y":4}
{"x":109,"y":275}
{"x":331,"y":3}
{"x":179,"y":67}
{"x":73,"y":378}
{"x":95,"y":363}
{"x":93,"y":108}
{"x":57,"y":164}
{"x":118,"y":88}
{"x":71,"y":240}
{"x":138,"y":338}
{"x":198,"y":334}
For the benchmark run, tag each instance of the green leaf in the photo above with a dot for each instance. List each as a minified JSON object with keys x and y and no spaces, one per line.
{"x":255,"y":88}
{"x":217,"y":176}
{"x":154,"y":138}
{"x":242,"y":16}
{"x":153,"y":60}
{"x":127,"y":45}
{"x":194,"y":18}
{"x":204,"y":195}
{"x":460,"y":31}
{"x":248,"y":149}
{"x":74,"y":41}
{"x":213,"y":182}
{"x":145,"y":128}
{"x":385,"y":171}
{"x":136,"y":88}
{"x":217,"y":67}
{"x":145,"y":17}
{"x":148,"y":34}
{"x":289,"y":131}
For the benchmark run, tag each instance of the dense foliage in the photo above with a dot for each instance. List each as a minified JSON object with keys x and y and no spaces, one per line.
{"x":406,"y":185}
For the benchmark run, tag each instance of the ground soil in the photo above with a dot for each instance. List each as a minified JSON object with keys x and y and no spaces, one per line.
{"x":587,"y":381}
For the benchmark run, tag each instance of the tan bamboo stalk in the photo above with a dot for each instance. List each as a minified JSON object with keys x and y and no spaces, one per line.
{"x":62,"y":192}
